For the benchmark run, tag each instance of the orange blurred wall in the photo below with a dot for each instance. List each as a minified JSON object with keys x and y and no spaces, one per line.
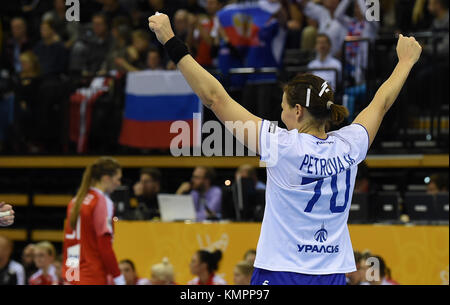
{"x":415,"y":254}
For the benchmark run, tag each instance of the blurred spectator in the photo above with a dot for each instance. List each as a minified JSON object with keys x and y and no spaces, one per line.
{"x":357,"y":53}
{"x":362,"y":183}
{"x":16,"y":45}
{"x":154,"y":61}
{"x":201,"y":28}
{"x":163,"y":6}
{"x":355,"y":277}
{"x":421,"y":17}
{"x":43,"y":258}
{"x":324,"y":59}
{"x":194,"y":7}
{"x":389,"y":277}
{"x":440,"y":25}
{"x":53,"y":56}
{"x":57,"y":263}
{"x":11,"y":272}
{"x":380,"y":270}
{"x":248,"y":171}
{"x":121,"y":33}
{"x":438,"y":184}
{"x":243,"y":272}
{"x":89,"y":52}
{"x":27,"y":104}
{"x":28,"y":261}
{"x":363,"y":267}
{"x":203,"y":265}
{"x":128,"y":270}
{"x":180,"y":24}
{"x":207,"y":198}
{"x":146,"y":191}
{"x":324,"y":15}
{"x":250,"y":256}
{"x":67,"y":31}
{"x":136,"y":53}
{"x":113,"y":9}
{"x":163,"y":273}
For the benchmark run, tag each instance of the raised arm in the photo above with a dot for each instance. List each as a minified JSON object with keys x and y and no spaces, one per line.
{"x":314,"y":11}
{"x":408,"y":52}
{"x":209,"y":89}
{"x":339,"y":13}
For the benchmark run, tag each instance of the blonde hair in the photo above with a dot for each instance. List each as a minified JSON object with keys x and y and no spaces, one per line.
{"x":48,"y":247}
{"x":34,"y":60}
{"x":104,"y":166}
{"x":163,"y":271}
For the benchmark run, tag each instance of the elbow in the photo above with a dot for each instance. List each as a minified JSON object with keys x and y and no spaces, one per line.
{"x":211,"y":99}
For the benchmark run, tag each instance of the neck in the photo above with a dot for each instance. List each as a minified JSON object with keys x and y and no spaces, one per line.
{"x":48,"y":40}
{"x":323,"y":57}
{"x":45,"y":270}
{"x":204,"y":190}
{"x":320,"y":133}
{"x":204,"y":277}
{"x":100,"y":186}
{"x":21,"y":40}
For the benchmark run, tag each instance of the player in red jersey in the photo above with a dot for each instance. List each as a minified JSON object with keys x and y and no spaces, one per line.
{"x":88,"y":256}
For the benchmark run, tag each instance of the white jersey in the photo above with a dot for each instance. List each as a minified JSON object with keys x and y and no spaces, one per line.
{"x":310,"y":183}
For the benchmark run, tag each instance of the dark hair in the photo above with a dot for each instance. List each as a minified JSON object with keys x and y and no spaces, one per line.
{"x":50,"y":23}
{"x":210,"y":173}
{"x":441,"y":181}
{"x":211,"y":259}
{"x":324,"y":35}
{"x":382,"y":266}
{"x":103,"y":16}
{"x":358,"y":257}
{"x":104,"y":166}
{"x":320,"y":96}
{"x":152,"y":172}
{"x":129,"y":262}
{"x":251,"y":251}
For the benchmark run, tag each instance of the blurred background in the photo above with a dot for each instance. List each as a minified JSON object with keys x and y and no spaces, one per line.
{"x":68,"y":94}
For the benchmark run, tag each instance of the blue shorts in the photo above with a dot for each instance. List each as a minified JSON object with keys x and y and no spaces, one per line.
{"x":266,"y":277}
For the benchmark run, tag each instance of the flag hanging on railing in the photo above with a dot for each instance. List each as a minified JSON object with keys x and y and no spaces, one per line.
{"x":154,"y":101}
{"x":253,"y":30}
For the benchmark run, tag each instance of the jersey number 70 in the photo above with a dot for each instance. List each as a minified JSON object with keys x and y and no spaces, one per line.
{"x":318,"y":193}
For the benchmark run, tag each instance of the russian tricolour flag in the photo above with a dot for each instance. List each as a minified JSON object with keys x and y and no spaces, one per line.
{"x":154,"y":101}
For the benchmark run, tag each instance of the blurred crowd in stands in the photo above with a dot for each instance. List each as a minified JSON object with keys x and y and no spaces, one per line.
{"x":41,"y":265}
{"x":45,"y":58}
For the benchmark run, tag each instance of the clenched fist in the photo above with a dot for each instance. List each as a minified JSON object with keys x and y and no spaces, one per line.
{"x":408,"y":49}
{"x":6,"y":220}
{"x":160,"y":25}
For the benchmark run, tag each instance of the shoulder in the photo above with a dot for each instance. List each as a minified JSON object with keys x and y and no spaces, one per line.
{"x":194,"y":281}
{"x":350,"y":130}
{"x":35,"y":275}
{"x":217,"y":280}
{"x":313,"y":63}
{"x":215,"y":190}
{"x":143,"y":281}
{"x":334,"y":61}
{"x":16,"y":267}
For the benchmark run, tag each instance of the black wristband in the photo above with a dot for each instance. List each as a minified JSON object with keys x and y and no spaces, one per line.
{"x":176,"y":49}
